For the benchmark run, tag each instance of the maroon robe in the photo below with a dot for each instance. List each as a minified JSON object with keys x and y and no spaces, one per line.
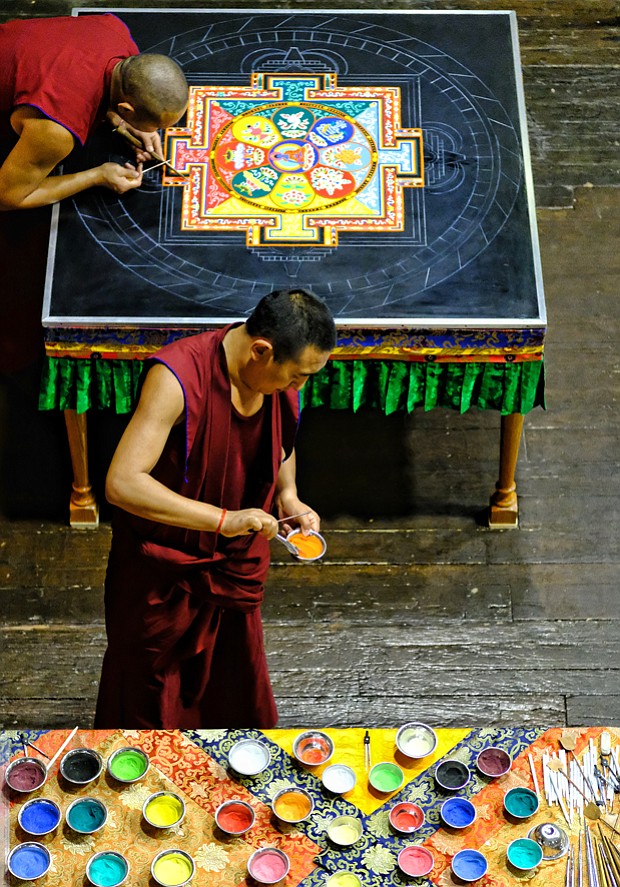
{"x":185,"y":641}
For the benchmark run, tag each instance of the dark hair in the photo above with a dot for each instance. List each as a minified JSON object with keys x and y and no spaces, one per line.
{"x":291,"y":320}
{"x":155,"y":84}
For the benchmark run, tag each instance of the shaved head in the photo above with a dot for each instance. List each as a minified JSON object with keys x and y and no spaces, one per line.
{"x":155,"y":85}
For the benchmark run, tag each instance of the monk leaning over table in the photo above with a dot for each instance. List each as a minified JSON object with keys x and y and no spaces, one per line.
{"x":206,"y":458}
{"x":60,"y":78}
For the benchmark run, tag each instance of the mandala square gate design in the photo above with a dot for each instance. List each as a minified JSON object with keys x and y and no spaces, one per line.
{"x":294,"y":159}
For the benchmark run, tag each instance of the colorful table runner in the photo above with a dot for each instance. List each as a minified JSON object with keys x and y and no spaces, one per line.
{"x":194,"y":764}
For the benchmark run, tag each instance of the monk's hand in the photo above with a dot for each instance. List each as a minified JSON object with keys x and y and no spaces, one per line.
{"x":152,"y":144}
{"x":249,"y":520}
{"x":120,"y":178}
{"x":306,"y":520}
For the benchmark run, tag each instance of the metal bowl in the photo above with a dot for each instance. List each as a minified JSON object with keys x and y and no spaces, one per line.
{"x":338,"y":778}
{"x":265,"y":874}
{"x":182,"y":856}
{"x":416,"y":740}
{"x":249,"y":757}
{"x":95,"y":823}
{"x":313,"y":747}
{"x":174,"y":801}
{"x":138,"y":756}
{"x":25,"y":775}
{"x":280,"y":812}
{"x":553,"y":840}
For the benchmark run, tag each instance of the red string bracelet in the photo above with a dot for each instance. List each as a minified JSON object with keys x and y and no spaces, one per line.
{"x":221,"y":523}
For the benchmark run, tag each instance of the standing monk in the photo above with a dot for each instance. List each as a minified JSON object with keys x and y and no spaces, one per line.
{"x":59,"y":78}
{"x":205,"y":460}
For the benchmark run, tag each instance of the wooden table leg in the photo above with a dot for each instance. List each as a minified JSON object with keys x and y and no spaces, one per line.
{"x":83,"y":509}
{"x":504,"y":507}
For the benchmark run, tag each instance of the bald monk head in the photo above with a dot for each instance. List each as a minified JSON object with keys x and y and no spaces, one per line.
{"x":149,"y":91}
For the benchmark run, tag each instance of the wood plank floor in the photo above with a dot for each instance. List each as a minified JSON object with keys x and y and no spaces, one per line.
{"x":419,"y":611}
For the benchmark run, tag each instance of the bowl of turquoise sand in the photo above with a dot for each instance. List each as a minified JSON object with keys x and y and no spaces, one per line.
{"x":107,"y":869}
{"x":520,"y":802}
{"x":524,"y":854}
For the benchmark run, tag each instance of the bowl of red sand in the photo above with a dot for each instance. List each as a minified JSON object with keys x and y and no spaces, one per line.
{"x":235,"y":817}
{"x":415,"y":861}
{"x":310,"y":547}
{"x":268,"y":865}
{"x":312,"y":747}
{"x":406,"y":817}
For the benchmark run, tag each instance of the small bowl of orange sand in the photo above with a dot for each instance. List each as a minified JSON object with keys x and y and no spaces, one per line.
{"x":292,"y":804}
{"x":310,"y":547}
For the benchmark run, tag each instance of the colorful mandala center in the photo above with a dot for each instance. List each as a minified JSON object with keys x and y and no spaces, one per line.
{"x":293,"y":157}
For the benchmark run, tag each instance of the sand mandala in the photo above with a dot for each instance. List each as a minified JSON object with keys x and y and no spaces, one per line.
{"x":294,"y":159}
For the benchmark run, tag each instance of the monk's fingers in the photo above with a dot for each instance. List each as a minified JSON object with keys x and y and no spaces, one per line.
{"x":310,"y":522}
{"x":120,"y":178}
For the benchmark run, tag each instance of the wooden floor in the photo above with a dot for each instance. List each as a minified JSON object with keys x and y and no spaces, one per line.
{"x":421,"y":613}
{"x":418,"y":611}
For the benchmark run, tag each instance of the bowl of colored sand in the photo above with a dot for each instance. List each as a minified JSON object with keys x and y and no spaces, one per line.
{"x":25,"y":774}
{"x":81,"y":766}
{"x":343,"y":879}
{"x":520,"y":802}
{"x":268,"y":865}
{"x":235,"y":817}
{"x":524,"y":854}
{"x":107,"y":869}
{"x":406,"y":817}
{"x":292,"y":804}
{"x":493,"y":762}
{"x":386,"y":777}
{"x":249,"y":757}
{"x":415,"y":861}
{"x":469,"y":865}
{"x":310,"y":547}
{"x":452,"y":775}
{"x":39,"y":816}
{"x":29,"y":861}
{"x":173,"y":868}
{"x":416,"y":740}
{"x":338,"y":778}
{"x":163,"y":809}
{"x":128,"y":764}
{"x":458,"y":812}
{"x":86,"y":815}
{"x":313,"y":748}
{"x":344,"y":830}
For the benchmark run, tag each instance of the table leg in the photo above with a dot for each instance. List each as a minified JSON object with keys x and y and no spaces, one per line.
{"x":83,"y":509}
{"x":504,"y":507}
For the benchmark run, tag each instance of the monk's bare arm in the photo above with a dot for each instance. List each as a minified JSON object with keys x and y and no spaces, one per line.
{"x":289,"y":502}
{"x":25,"y":180}
{"x":129,"y":483}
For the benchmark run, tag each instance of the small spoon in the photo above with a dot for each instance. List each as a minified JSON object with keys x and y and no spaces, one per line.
{"x":288,"y":545}
{"x":594,"y":813}
{"x":568,"y":741}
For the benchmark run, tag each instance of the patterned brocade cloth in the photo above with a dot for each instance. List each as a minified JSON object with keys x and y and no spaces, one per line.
{"x":195,"y":766}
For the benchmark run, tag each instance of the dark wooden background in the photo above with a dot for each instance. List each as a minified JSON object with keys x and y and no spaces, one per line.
{"x":418,"y":611}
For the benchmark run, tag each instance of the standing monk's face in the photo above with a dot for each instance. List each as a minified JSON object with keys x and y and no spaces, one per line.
{"x":269,"y":375}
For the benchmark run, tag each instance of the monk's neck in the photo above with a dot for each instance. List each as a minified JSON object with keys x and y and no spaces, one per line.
{"x":245,"y":400}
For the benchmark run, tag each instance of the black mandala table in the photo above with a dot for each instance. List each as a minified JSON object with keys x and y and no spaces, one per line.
{"x":378,"y":159}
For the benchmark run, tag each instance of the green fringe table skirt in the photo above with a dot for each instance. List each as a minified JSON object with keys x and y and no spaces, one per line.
{"x":389,"y":385}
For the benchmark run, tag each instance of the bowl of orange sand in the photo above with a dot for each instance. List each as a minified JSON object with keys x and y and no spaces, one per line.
{"x":310,"y":547}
